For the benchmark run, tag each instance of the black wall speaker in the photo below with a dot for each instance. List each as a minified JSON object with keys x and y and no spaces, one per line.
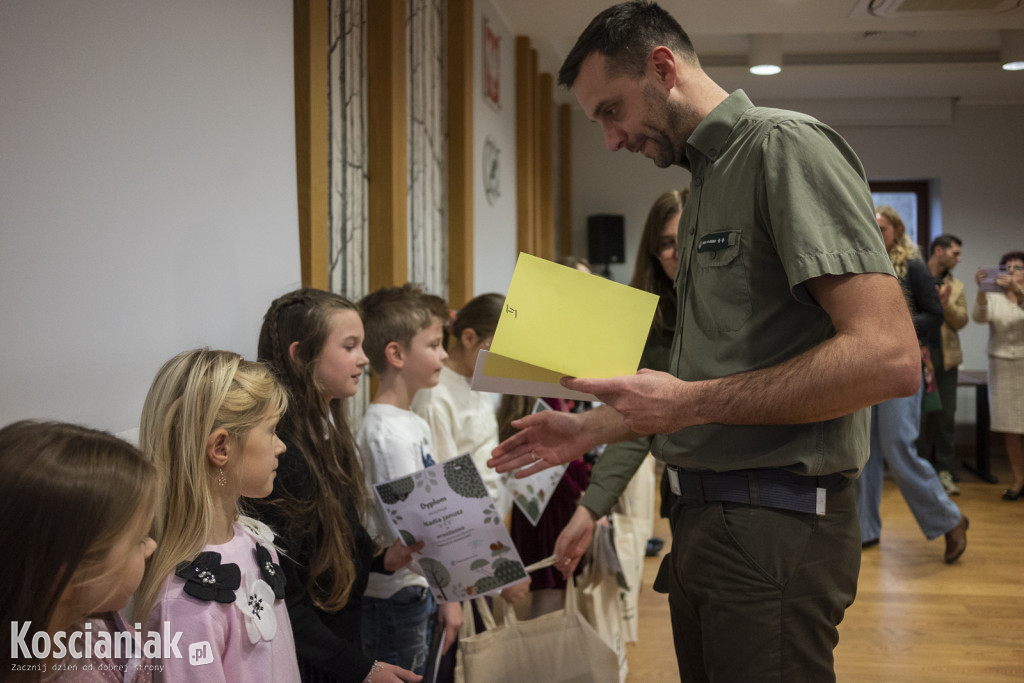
{"x":606,"y":238}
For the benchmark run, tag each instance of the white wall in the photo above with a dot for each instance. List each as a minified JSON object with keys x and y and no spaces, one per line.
{"x":977,"y":161}
{"x":147,"y":190}
{"x":147,"y":193}
{"x":494,"y":243}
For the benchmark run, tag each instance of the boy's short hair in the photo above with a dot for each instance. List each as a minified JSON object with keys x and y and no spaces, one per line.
{"x":397,"y":314}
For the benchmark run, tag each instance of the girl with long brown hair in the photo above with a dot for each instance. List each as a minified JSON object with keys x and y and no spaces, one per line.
{"x":77,"y":506}
{"x":313,"y":341}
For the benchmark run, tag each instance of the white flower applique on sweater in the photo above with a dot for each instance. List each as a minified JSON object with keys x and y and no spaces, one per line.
{"x":255,"y":598}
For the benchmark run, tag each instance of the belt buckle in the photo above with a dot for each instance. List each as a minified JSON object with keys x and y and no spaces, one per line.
{"x":673,"y":481}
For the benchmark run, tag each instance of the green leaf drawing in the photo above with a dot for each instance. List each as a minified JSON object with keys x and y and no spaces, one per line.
{"x":505,"y":571}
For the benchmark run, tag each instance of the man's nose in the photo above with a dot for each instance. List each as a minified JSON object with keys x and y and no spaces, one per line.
{"x":614,"y":138}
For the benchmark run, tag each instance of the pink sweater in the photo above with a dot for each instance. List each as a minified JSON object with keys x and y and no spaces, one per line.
{"x":247,"y":639}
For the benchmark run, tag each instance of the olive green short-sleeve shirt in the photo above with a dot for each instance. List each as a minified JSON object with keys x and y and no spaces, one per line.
{"x":777,"y":198}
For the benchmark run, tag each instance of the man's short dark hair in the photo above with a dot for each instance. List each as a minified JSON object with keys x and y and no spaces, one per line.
{"x":945,"y":241}
{"x":626,"y":34}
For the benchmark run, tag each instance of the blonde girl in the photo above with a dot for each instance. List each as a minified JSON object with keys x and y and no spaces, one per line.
{"x":77,"y":506}
{"x":313,"y":341}
{"x":209,"y":425}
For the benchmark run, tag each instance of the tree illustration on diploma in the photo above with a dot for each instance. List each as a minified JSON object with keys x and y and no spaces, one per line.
{"x":462,"y":477}
{"x":505,"y":572}
{"x":395,"y":491}
{"x":436,"y":573}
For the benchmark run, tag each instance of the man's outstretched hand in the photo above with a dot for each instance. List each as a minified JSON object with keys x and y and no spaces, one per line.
{"x":544,"y":440}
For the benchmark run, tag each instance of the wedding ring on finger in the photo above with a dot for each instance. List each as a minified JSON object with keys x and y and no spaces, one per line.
{"x":533,"y":456}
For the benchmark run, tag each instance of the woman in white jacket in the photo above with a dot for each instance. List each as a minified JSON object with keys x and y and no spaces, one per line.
{"x":1004,"y":312}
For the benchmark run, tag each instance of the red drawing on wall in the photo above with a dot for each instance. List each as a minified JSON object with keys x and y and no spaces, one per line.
{"x":492,"y":66}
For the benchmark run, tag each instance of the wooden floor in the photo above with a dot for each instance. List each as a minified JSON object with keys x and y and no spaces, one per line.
{"x":915,"y":617}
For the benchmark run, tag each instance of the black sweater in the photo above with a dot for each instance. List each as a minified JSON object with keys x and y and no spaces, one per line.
{"x":328,"y":644}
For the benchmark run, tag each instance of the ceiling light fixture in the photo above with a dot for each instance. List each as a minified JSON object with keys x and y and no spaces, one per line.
{"x":765,"y":53}
{"x":1012,"y":49}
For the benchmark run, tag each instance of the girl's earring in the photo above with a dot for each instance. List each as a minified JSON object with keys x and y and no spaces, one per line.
{"x":221,"y":479}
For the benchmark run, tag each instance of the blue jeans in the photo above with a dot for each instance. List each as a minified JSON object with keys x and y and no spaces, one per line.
{"x":396,"y":630}
{"x":895,"y":425}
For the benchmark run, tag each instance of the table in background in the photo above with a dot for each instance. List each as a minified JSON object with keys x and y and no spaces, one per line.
{"x":982,"y":464}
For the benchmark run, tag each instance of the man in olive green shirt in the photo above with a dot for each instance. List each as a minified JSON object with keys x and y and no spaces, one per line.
{"x":789,"y":324}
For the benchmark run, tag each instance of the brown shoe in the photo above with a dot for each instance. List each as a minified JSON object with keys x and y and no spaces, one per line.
{"x":956,"y":541}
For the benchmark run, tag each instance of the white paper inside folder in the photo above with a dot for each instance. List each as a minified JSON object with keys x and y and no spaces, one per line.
{"x":509,"y":376}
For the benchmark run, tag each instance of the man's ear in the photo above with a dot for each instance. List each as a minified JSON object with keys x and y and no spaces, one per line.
{"x":218,"y":447}
{"x":662,"y":65}
{"x":395,"y":354}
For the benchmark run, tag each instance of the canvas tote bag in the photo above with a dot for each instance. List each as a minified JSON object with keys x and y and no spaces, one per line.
{"x":560,"y":647}
{"x":599,"y":596}
{"x":633,"y":523}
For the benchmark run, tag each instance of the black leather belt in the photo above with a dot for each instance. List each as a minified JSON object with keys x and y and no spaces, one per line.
{"x":764,"y":487}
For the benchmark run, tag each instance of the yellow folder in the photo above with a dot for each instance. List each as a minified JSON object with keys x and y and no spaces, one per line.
{"x":560,"y":321}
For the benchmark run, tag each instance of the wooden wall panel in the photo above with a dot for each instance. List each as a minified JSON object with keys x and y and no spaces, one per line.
{"x":311,"y":138}
{"x":460,"y":152}
{"x":565,"y":246}
{"x":535,"y":150}
{"x":387,"y":126}
{"x":545,"y":171}
{"x":525,"y":95}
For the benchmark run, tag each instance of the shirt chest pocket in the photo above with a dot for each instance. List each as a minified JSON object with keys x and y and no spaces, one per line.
{"x":720,"y":282}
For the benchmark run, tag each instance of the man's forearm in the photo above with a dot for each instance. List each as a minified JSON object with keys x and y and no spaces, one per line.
{"x":873,"y":357}
{"x":835,"y":378}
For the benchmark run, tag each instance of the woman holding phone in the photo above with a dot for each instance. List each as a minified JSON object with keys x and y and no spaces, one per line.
{"x":1003,"y":310}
